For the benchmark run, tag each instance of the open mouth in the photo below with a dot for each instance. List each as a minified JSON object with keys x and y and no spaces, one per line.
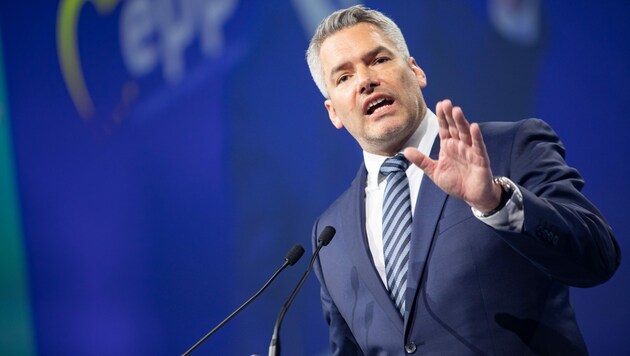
{"x":378,"y":104}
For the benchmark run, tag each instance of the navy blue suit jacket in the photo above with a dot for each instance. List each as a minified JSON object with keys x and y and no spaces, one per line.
{"x":472,"y":289}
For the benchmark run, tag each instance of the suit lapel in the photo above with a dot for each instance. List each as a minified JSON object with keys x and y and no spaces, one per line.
{"x":358,"y":247}
{"x":427,"y":213}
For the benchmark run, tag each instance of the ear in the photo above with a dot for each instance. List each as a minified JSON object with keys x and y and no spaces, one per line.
{"x":332,"y":114}
{"x":422,"y":78}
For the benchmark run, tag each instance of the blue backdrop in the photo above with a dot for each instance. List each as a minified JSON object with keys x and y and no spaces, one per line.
{"x":168,"y":153}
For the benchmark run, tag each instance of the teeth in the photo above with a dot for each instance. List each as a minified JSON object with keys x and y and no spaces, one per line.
{"x":375,"y":102}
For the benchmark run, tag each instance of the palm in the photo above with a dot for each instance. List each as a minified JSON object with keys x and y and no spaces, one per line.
{"x":463,"y":168}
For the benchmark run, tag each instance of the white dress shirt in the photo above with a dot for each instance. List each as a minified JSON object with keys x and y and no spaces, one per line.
{"x":510,"y":218}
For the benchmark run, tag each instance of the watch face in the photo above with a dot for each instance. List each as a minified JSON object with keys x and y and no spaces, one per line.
{"x":505,"y":184}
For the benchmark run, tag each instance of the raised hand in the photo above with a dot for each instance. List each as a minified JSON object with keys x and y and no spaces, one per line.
{"x":463,"y":167}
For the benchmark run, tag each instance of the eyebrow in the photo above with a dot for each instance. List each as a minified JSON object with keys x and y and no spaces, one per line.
{"x":368,"y":54}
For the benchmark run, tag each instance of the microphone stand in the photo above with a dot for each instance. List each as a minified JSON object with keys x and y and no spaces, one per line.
{"x":292,"y":257}
{"x":324,"y":239}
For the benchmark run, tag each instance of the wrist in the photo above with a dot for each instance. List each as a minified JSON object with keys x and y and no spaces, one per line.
{"x":506,"y":188}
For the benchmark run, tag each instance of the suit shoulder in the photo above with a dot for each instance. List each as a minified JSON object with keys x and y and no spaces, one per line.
{"x":348,"y":198}
{"x":513,"y":127}
{"x":504,"y":134}
{"x":339,"y":203}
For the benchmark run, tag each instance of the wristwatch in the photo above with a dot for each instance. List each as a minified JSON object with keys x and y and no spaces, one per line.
{"x":507,"y":190}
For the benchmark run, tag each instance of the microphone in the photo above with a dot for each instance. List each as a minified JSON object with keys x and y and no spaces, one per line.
{"x":323,"y":240}
{"x":293,"y":256}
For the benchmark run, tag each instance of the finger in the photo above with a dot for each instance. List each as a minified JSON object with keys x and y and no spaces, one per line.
{"x":421,"y":160}
{"x":443,"y":130}
{"x":447,"y":107}
{"x":463,"y":127}
{"x":478,"y":143}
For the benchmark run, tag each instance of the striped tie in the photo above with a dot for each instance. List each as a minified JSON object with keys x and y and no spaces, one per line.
{"x":396,"y":227}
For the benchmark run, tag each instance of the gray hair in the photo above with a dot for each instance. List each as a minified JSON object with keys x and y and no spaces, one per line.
{"x":340,"y":20}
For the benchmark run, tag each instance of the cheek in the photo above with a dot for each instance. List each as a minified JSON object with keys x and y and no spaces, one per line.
{"x":346,"y":106}
{"x":410,"y":83}
{"x":411,"y":90}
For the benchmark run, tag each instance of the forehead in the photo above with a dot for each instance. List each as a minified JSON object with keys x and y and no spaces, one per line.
{"x":351,"y":43}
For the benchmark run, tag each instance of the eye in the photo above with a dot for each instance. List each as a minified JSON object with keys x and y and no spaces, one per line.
{"x":343,"y":78}
{"x":381,"y":60}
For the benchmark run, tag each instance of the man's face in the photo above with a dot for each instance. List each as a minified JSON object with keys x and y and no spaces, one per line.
{"x":374,"y":93}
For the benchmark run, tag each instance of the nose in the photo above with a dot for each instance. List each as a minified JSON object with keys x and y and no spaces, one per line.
{"x":368,"y":80}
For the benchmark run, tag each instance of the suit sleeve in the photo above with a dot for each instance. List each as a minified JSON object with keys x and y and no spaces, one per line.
{"x":563,"y":234}
{"x":342,"y":340}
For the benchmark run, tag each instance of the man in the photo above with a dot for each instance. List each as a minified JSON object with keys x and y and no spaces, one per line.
{"x":470,"y":249}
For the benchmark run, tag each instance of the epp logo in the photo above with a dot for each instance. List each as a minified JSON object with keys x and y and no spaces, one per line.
{"x":151,"y":33}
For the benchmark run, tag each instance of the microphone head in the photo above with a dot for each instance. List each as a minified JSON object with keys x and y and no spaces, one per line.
{"x":326,"y":236}
{"x":294,"y":254}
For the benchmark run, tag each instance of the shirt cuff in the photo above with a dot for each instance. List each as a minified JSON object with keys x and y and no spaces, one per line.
{"x":510,"y":218}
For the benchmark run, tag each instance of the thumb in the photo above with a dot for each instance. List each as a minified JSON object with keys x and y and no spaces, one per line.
{"x":421,"y":160}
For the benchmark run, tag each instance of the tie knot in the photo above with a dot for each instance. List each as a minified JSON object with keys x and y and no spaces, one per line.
{"x":397,"y":163}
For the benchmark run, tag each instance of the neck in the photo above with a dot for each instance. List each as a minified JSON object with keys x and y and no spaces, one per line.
{"x":390,"y":148}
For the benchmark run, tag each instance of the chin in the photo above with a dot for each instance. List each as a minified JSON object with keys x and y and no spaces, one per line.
{"x":393,"y":132}
{"x":385,"y":143}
